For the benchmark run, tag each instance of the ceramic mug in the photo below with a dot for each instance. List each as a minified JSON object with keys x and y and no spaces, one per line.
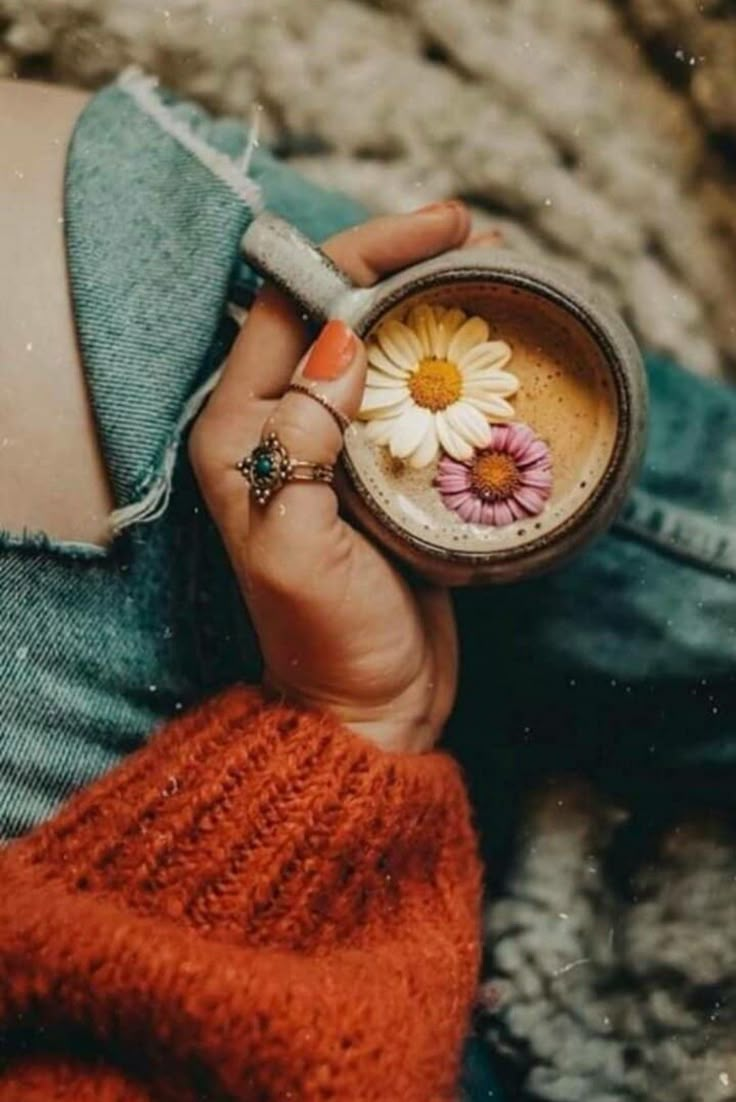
{"x":583,"y":393}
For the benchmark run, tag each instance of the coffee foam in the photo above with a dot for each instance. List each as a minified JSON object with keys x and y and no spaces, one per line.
{"x":567,"y":395}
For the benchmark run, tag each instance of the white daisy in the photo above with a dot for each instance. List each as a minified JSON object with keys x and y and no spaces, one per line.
{"x":435,"y":380}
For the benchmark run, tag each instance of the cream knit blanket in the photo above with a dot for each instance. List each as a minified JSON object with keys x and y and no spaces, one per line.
{"x":546,"y":114}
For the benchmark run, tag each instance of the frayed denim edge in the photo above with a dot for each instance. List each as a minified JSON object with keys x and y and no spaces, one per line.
{"x":150,"y":502}
{"x":234,"y":173}
{"x":41,"y":543}
{"x":152,"y":498}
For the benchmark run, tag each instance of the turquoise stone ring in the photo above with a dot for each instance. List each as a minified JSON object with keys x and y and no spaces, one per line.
{"x":269,"y":467}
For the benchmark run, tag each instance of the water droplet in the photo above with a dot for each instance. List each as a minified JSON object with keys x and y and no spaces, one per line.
{"x":152,"y":688}
{"x":29,"y":346}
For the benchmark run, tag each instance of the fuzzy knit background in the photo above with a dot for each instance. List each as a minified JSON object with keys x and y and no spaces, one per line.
{"x":601,"y":132}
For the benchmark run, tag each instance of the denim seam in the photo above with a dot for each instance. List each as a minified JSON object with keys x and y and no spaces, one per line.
{"x":685,"y":533}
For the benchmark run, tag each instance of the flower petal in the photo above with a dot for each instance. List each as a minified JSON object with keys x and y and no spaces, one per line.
{"x":495,"y":382}
{"x":537,"y":480}
{"x":376,"y":399}
{"x":457,"y":497}
{"x":427,"y":448}
{"x":520,"y":437}
{"x":531,"y":500}
{"x":486,"y":355}
{"x":518,"y":511}
{"x":501,"y":435}
{"x":472,"y":332}
{"x":400,"y":343}
{"x":469,"y":423}
{"x":452,"y":483}
{"x":502,"y":514}
{"x":379,"y":379}
{"x":377,"y":358}
{"x":422,"y":320}
{"x":409,"y":430}
{"x":450,"y":440}
{"x":449,"y":322}
{"x":466,"y":509}
{"x":535,"y":453}
{"x":435,"y":334}
{"x":494,"y":407}
{"x":379,"y":431}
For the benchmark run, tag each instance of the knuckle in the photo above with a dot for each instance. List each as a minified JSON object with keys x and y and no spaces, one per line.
{"x":308,"y":434}
{"x":344,"y":250}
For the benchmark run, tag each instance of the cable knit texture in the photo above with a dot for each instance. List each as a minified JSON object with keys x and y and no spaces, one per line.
{"x":551,"y":114}
{"x":257,"y":905}
{"x":606,"y":998}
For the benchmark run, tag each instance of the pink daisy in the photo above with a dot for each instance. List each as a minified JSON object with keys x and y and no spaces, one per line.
{"x":505,"y":482}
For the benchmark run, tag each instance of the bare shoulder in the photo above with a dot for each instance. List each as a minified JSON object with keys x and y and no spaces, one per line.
{"x":51,"y":476}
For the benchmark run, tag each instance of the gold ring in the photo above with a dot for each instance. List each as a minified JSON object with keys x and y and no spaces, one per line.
{"x":269,"y":467}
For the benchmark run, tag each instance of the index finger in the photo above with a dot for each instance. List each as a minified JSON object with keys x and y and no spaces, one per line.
{"x":275,"y":336}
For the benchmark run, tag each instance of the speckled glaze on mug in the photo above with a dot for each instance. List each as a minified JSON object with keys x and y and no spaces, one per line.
{"x":583,"y":390}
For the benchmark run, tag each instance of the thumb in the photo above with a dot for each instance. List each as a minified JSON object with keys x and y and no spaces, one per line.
{"x":288,"y":534}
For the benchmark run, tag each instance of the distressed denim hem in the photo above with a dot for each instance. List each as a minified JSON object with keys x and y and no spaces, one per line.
{"x":151,"y":499}
{"x":38,"y":542}
{"x":149,"y":183}
{"x":231,"y":171}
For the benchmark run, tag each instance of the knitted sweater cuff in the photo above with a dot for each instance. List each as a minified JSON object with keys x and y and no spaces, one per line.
{"x":251,"y":870}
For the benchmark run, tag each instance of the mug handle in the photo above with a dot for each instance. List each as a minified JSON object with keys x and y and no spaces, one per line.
{"x":284,"y":255}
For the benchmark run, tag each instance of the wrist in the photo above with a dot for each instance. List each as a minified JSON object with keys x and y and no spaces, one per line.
{"x":399,"y":725}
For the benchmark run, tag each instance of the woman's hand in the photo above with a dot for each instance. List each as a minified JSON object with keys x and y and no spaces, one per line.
{"x":339,"y":627}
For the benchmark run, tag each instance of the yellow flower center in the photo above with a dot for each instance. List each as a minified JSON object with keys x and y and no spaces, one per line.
{"x":495,"y":476}
{"x":436,"y":384}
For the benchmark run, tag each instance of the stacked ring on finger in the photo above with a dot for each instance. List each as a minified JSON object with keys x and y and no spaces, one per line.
{"x":342,"y":422}
{"x":269,"y":467}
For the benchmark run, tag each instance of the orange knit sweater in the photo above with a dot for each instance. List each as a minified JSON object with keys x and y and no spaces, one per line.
{"x":257,"y":905}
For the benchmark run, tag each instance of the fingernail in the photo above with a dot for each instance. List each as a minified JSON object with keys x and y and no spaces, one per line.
{"x":443,"y":206}
{"x":487,"y":237}
{"x":332,"y":353}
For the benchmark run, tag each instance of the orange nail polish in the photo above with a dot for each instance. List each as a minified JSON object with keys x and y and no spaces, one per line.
{"x":332,"y":353}
{"x":443,"y":205}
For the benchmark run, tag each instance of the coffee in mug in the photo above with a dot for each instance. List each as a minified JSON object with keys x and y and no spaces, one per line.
{"x":504,"y":412}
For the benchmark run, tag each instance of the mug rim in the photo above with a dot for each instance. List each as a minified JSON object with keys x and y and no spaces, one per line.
{"x":622,"y":358}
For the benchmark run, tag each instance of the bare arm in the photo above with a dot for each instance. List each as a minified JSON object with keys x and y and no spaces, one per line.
{"x":52,"y":477}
